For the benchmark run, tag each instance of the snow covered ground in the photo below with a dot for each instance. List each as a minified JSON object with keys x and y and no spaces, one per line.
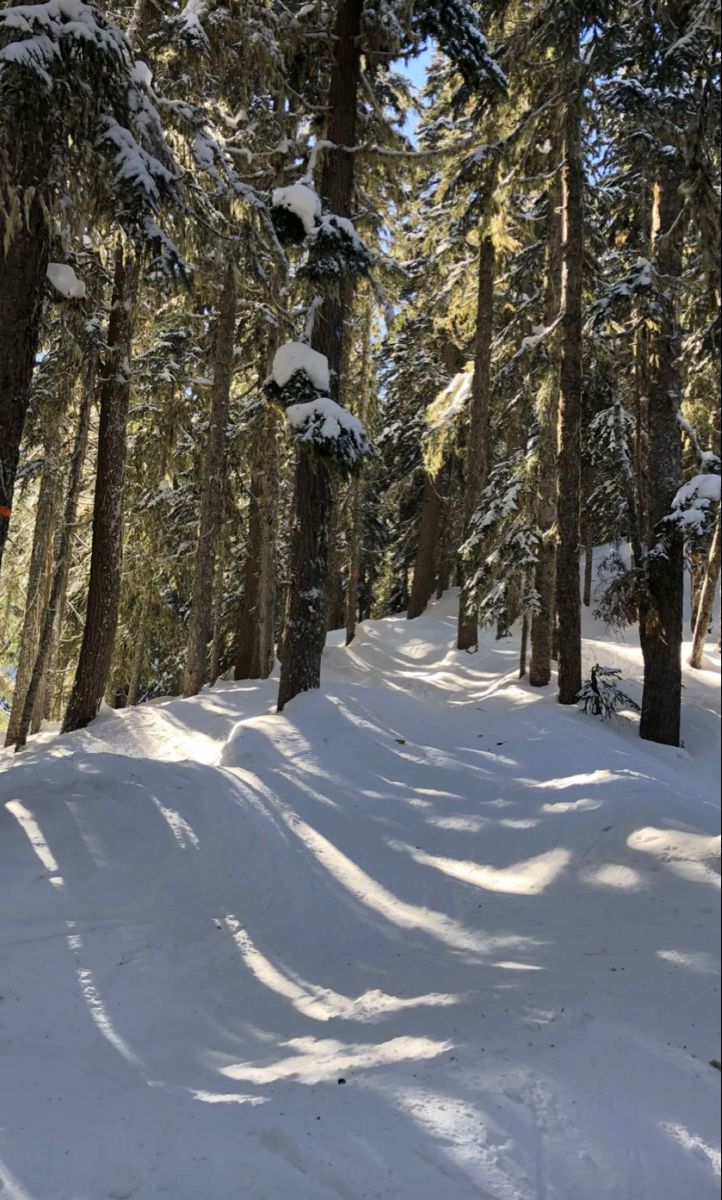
{"x":426,"y":935}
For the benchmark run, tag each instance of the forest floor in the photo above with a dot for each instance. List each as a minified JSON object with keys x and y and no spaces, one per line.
{"x":427,"y":935}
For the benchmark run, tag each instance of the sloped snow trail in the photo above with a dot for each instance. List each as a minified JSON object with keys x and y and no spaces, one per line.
{"x":425,"y":935}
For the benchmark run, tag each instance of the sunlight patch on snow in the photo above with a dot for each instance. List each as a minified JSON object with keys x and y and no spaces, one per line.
{"x":466,"y":824}
{"x":92,"y":998}
{"x":33,"y":832}
{"x":684,"y":854}
{"x":612,"y":875}
{"x":179,"y":827}
{"x":226,"y":1098}
{"x":375,"y":896}
{"x":696,"y":1146}
{"x":516,"y":966}
{"x":572,"y":806}
{"x":317,"y":1061}
{"x":694,"y":962}
{"x":567,"y":781}
{"x":319,"y":1003}
{"x":528,"y":878}
{"x":10,"y":1186}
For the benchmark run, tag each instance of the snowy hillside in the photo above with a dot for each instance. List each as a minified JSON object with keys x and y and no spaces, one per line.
{"x":426,"y":935}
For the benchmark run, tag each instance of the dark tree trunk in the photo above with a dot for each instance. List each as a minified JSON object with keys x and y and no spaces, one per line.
{"x":40,"y":566}
{"x":196,"y":670}
{"x":22,"y":285}
{"x":106,"y":561}
{"x":542,"y":622}
{"x":140,"y":636}
{"x":588,"y":576}
{"x":305,"y":633}
{"x":357,"y":491}
{"x":60,"y":557}
{"x":662,"y":619}
{"x":256,"y":627}
{"x":425,"y":566}
{"x":569,"y":609}
{"x":703,"y":627}
{"x":478,"y":449}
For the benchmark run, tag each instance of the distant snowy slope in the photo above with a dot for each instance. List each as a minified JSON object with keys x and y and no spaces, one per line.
{"x":425,"y":935}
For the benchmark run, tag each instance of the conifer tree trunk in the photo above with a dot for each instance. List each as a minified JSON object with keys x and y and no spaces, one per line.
{"x":40,"y":563}
{"x":661,"y":620}
{"x":478,"y":450}
{"x":60,"y":558}
{"x":196,"y":670}
{"x":588,"y":576}
{"x":425,"y":565}
{"x":543,"y":620}
{"x":256,"y":626}
{"x":569,"y":610}
{"x":140,"y":635}
{"x":357,"y":491}
{"x":305,"y":631}
{"x":106,"y":561}
{"x":706,"y":602}
{"x":23,"y":264}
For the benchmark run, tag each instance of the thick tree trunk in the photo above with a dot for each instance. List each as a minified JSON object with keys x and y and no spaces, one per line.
{"x":60,"y":558}
{"x":305,"y":631}
{"x":196,"y":670}
{"x":569,"y":609}
{"x":40,"y":567}
{"x":305,"y":628}
{"x":106,"y":561}
{"x":662,"y":619}
{"x":706,"y":603}
{"x":478,"y":449}
{"x":23,"y":264}
{"x":425,"y":566}
{"x":256,"y":628}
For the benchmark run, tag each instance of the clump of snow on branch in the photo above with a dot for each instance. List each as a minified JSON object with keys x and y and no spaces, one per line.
{"x":65,"y":281}
{"x":297,"y":356}
{"x":302,"y":202}
{"x":694,"y":505}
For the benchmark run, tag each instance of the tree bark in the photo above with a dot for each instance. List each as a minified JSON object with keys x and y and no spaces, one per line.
{"x":40,"y":567}
{"x":60,"y":557}
{"x":305,"y":633}
{"x":196,"y":670}
{"x":588,"y":576}
{"x":256,"y":627}
{"x":425,"y":566}
{"x":106,"y":561}
{"x":543,"y":619}
{"x":569,"y":609}
{"x":662,"y":618}
{"x":706,"y":602}
{"x":140,"y":638}
{"x":478,"y":449}
{"x":357,"y":490}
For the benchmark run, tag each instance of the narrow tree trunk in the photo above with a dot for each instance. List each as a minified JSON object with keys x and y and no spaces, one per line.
{"x":305,"y":633}
{"x":256,"y":627}
{"x":524,"y":651}
{"x":217,"y":639}
{"x":305,"y":630}
{"x":662,"y":619}
{"x":588,"y":576}
{"x":425,"y":566}
{"x":61,"y":555}
{"x":478,"y":450}
{"x":357,"y":489}
{"x":40,"y":564}
{"x":140,"y":634}
{"x":569,"y":609}
{"x":196,"y":669}
{"x":106,"y":562}
{"x":706,"y":602}
{"x":543,"y":619}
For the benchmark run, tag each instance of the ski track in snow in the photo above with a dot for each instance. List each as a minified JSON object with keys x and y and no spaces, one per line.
{"x":425,"y":935}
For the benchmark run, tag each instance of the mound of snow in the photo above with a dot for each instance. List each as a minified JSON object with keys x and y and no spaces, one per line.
{"x":297,"y":356}
{"x":301,"y":200}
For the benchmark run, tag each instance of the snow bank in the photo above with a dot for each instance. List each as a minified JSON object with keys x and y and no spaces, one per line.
{"x":301,"y":200}
{"x":65,"y":281}
{"x":297,"y":356}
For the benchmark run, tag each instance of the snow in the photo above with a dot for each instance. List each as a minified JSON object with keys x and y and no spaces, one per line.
{"x":425,"y":935}
{"x":334,"y":417}
{"x":65,"y":281}
{"x":302,"y":200}
{"x":691,"y":505}
{"x":297,"y":356}
{"x":453,"y":401}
